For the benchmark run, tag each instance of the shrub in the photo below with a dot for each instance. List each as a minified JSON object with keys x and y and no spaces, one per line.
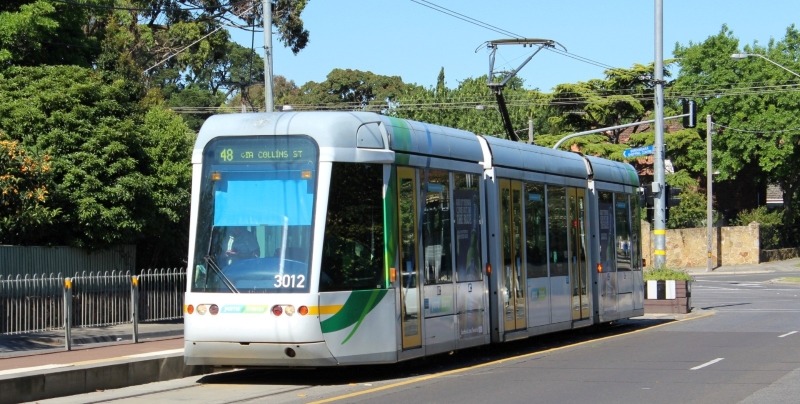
{"x":771,"y":228}
{"x":665,"y":274}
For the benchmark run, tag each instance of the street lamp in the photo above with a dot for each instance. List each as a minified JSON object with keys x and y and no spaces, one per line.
{"x":739,"y":56}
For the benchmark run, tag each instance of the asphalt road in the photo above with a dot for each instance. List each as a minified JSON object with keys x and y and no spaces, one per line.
{"x":742,"y":344}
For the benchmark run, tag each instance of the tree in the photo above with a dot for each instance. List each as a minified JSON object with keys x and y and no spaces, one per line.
{"x":119,"y":174}
{"x":347,"y":89}
{"x":34,"y":32}
{"x":625,"y":96}
{"x":25,"y":183}
{"x":757,"y":141}
{"x":167,"y":143}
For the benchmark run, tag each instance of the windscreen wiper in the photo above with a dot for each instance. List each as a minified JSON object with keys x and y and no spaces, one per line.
{"x":213,"y":264}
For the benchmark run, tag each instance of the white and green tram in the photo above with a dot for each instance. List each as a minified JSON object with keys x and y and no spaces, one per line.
{"x":344,"y":238}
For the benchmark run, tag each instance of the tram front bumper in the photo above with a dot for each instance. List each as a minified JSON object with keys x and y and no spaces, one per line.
{"x":257,"y":354}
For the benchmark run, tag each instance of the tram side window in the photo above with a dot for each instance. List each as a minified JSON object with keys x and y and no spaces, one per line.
{"x":437,"y":248}
{"x":605,"y":207}
{"x":623,"y":226}
{"x":467,"y":216}
{"x":536,"y":231}
{"x":353,"y":250}
{"x":557,"y":225}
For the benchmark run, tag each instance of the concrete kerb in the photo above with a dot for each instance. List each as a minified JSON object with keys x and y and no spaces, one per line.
{"x":59,"y":380}
{"x":764,"y":267}
{"x":66,"y":380}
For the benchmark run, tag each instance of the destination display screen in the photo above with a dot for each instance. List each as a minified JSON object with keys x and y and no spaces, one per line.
{"x":261,"y":149}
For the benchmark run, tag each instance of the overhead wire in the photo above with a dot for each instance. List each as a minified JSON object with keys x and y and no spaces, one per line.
{"x":465,"y":18}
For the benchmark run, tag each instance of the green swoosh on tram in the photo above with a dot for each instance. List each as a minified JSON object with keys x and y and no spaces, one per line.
{"x":357,"y":306}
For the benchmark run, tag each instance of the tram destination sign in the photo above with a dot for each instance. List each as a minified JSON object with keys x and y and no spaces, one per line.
{"x":237,"y":150}
{"x":638,"y":151}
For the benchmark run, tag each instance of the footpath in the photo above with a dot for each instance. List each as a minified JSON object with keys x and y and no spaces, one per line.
{"x":38,"y":366}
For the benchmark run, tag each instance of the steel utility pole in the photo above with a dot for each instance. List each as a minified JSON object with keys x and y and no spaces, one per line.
{"x":659,"y":197}
{"x":268,"y":55}
{"x":709,"y":193}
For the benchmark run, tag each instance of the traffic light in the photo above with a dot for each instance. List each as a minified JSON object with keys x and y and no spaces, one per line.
{"x":672,"y":198}
{"x":690,"y":108}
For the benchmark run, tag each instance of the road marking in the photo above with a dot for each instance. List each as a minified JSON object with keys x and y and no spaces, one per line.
{"x":147,"y":354}
{"x":787,"y":334}
{"x":31,"y":369}
{"x":709,"y":363}
{"x":496,"y":362}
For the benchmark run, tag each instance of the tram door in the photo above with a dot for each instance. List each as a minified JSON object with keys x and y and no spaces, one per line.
{"x":514,"y":311}
{"x":579,"y":269}
{"x":409,"y":272}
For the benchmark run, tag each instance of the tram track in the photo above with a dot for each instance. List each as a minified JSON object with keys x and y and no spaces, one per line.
{"x":323,"y":384}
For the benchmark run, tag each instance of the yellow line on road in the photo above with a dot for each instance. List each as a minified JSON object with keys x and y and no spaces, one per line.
{"x":493,"y":363}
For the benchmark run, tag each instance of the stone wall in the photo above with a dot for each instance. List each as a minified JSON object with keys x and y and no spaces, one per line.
{"x":687,"y":248}
{"x":779,"y":254}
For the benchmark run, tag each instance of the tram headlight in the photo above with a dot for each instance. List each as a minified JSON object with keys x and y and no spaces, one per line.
{"x":303,"y":310}
{"x":213,"y":309}
{"x":289,"y":310}
{"x":189,"y":309}
{"x":202,"y":309}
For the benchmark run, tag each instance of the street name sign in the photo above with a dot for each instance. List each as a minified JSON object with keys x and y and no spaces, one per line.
{"x":638,"y":151}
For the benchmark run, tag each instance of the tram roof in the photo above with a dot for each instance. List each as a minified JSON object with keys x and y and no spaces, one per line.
{"x":506,"y":153}
{"x":424,"y":139}
{"x":329,"y":128}
{"x":613,"y":171}
{"x":346,"y":129}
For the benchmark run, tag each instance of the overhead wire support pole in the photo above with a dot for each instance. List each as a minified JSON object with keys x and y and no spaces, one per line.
{"x":497,"y":87}
{"x":268,"y":102}
{"x":659,"y":197}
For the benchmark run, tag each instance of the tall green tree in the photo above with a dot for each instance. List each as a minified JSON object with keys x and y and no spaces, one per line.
{"x":624,"y":96}
{"x":757,"y":136}
{"x":118,"y":173}
{"x":34,"y":32}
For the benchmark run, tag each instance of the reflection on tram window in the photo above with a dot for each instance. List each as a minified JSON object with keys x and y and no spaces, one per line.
{"x":352,"y":255}
{"x":607,"y":236}
{"x":623,"y":227}
{"x":467,"y":214}
{"x":536,"y":231}
{"x":437,"y":249}
{"x":557,"y":224}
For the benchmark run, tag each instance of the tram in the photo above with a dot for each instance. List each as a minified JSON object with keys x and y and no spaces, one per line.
{"x":348,"y":238}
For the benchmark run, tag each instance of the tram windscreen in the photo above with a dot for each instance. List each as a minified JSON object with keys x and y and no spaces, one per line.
{"x":255,"y":213}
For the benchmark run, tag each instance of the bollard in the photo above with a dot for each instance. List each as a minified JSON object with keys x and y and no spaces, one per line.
{"x":134,"y":307}
{"x":68,"y":314}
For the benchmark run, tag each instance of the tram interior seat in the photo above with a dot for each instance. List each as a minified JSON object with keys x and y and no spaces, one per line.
{"x":292,"y":253}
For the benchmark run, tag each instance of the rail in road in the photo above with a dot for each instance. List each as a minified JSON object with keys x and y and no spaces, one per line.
{"x":109,"y":369}
{"x":751,"y":294}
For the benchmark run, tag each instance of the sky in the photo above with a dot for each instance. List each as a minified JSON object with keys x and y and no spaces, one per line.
{"x":415,"y":39}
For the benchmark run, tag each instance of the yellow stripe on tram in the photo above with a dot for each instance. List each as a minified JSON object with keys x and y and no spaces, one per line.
{"x":330,"y":309}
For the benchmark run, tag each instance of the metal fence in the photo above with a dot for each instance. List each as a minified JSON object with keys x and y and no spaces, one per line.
{"x":37,"y":303}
